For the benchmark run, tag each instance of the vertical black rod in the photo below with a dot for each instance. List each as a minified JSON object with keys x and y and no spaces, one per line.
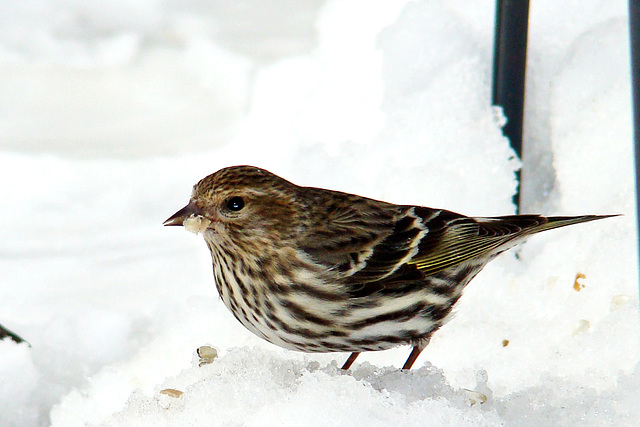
{"x":509,"y":63}
{"x":634,"y":34}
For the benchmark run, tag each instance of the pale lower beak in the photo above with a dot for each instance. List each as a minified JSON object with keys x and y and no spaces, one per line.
{"x":179,"y":217}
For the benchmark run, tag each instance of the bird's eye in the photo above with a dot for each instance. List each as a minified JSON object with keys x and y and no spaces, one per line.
{"x":235,"y":204}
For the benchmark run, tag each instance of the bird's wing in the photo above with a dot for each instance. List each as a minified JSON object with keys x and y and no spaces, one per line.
{"x":372,"y":242}
{"x":454,"y":240}
{"x":422,"y":241}
{"x":345,"y":234}
{"x":369,"y":241}
{"x":364,"y":240}
{"x":425,"y":242}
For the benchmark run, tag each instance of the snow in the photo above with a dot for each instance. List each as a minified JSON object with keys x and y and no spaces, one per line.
{"x":110,"y":112}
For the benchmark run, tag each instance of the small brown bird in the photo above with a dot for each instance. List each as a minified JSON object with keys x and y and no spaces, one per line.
{"x":317,"y":270}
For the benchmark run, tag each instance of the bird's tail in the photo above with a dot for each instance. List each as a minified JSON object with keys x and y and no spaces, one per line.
{"x":562,"y":221}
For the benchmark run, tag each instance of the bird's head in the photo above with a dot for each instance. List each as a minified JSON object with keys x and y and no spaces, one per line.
{"x":241,"y":203}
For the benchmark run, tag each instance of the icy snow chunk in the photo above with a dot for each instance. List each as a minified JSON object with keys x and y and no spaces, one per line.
{"x":581,"y":326}
{"x":618,"y":301}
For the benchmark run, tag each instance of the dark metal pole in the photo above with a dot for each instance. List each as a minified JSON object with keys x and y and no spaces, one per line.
{"x":509,"y":63}
{"x":634,"y":33}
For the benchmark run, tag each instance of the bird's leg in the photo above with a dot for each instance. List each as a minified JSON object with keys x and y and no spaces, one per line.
{"x":350,"y":360}
{"x":413,"y":356}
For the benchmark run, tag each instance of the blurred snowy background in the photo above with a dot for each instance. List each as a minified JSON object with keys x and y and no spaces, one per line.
{"x":111,"y":111}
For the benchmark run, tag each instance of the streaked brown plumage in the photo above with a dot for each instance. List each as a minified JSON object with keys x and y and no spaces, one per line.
{"x":317,"y":270}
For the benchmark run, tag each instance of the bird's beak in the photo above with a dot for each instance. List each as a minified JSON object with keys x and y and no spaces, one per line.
{"x":188,"y":211}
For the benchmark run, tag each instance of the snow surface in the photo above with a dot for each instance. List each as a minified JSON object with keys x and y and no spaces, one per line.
{"x":111,"y":111}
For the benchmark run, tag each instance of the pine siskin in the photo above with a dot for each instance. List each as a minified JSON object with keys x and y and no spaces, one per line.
{"x":317,"y":270}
